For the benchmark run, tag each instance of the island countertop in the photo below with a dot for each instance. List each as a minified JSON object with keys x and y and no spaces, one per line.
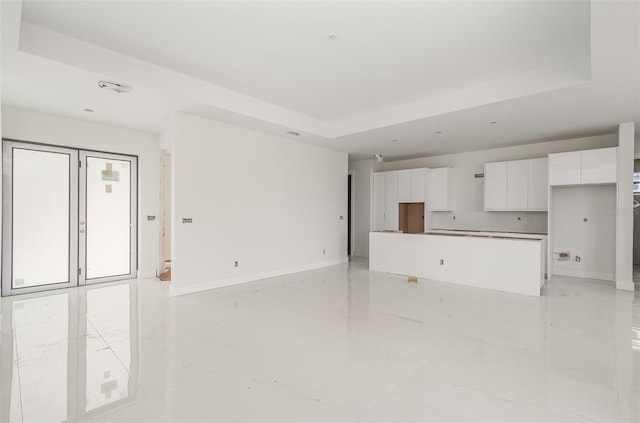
{"x":509,"y":262}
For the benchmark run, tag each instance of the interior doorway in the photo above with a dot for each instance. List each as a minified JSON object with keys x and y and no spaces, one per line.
{"x":164,"y":269}
{"x":69,"y":217}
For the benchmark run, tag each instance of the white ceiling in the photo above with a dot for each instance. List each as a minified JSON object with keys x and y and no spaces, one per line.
{"x":397,"y":70}
{"x":385,"y":53}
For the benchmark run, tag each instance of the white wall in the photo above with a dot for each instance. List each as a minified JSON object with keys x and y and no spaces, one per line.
{"x":270,"y":203}
{"x":594,"y":241}
{"x":23,"y":125}
{"x":468,"y":192}
{"x":624,"y":215}
{"x":361,"y":193}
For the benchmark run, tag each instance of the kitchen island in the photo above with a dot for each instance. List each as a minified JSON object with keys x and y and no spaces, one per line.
{"x":502,"y":261}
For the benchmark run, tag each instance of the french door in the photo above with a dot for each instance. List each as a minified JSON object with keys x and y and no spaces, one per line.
{"x":69,"y":217}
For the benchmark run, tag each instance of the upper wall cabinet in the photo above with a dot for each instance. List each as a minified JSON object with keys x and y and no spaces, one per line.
{"x":438,"y":190}
{"x":411,"y":185}
{"x":538,"y":185}
{"x":418,"y":185}
{"x":598,"y":166}
{"x":495,"y":186}
{"x":518,"y":185}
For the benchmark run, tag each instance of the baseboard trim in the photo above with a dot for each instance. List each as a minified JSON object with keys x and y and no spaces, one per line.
{"x":146,"y":274}
{"x":625,"y":285}
{"x":587,"y":275}
{"x":204,"y":286}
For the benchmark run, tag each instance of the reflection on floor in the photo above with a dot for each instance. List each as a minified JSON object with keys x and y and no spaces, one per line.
{"x":636,"y":275}
{"x":335,"y":344}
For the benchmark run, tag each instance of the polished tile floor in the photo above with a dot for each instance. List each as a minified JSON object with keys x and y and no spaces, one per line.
{"x":338,"y":344}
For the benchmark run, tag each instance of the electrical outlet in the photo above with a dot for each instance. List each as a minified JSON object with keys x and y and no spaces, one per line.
{"x":187,"y":220}
{"x":324,"y":252}
{"x":578,"y":259}
{"x":441,"y":262}
{"x":235,"y":264}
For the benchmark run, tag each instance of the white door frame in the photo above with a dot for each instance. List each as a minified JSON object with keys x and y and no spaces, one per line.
{"x":77,"y":214}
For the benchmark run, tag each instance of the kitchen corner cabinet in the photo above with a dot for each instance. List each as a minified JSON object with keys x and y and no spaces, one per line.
{"x":599,"y":166}
{"x":517,"y":185}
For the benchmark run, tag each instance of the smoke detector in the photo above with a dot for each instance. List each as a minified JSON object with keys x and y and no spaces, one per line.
{"x":379,"y":158}
{"x":114,"y":86}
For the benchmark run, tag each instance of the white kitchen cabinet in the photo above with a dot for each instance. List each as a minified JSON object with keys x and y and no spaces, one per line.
{"x":600,"y":166}
{"x":517,"y":184}
{"x":439,"y":192}
{"x":538,"y":185}
{"x":495,"y":186}
{"x":418,"y":182}
{"x":404,"y":186}
{"x":565,"y":168}
{"x":391,"y":201}
{"x":379,"y":200}
{"x":394,"y":187}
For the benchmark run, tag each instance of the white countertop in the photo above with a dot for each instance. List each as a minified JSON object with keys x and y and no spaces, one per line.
{"x":489,"y":234}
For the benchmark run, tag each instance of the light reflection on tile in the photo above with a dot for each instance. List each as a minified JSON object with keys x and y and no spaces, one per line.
{"x":336,"y":344}
{"x":41,"y":342}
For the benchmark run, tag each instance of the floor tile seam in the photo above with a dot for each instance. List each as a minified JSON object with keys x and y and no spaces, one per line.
{"x":15,"y":340}
{"x":532,"y":401}
{"x":136,"y":379}
{"x":367,"y":409}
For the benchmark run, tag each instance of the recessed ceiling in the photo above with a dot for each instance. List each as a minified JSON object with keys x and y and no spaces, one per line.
{"x":395,"y":70}
{"x":385,"y":53}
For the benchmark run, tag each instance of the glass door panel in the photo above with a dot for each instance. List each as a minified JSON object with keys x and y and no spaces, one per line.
{"x":69,"y":217}
{"x":108,"y":205}
{"x":39,"y":236}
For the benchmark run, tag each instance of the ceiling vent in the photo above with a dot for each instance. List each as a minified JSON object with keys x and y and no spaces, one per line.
{"x":114,"y":86}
